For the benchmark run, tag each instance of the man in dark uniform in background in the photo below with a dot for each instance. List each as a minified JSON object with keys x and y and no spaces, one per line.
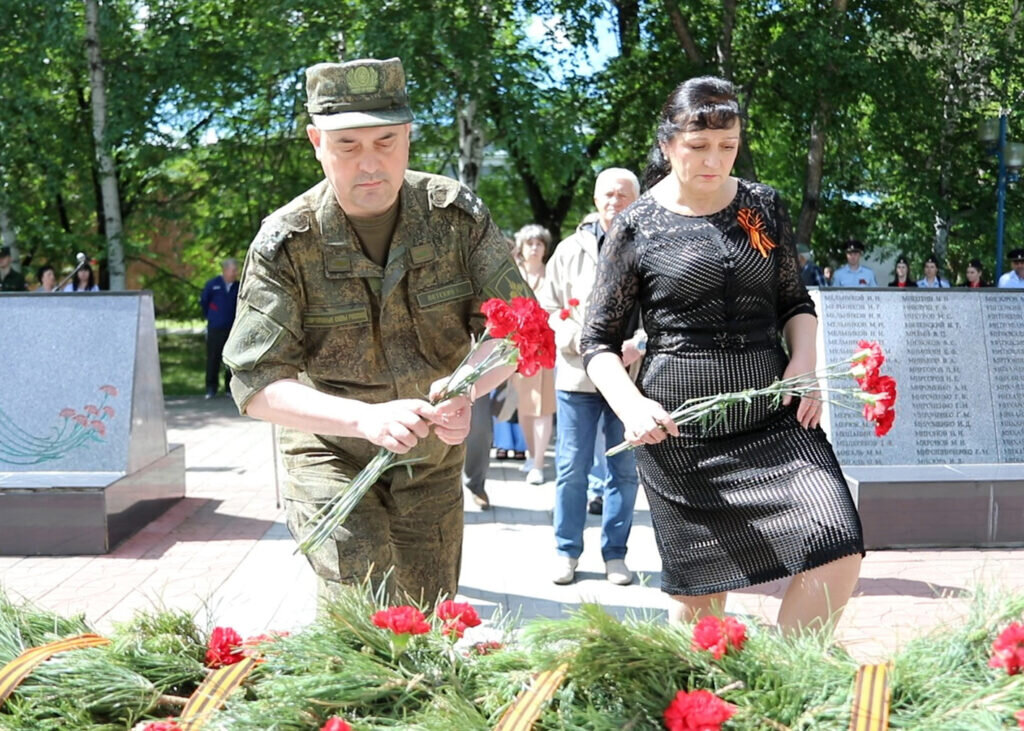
{"x":10,"y":279}
{"x":357,"y":299}
{"x":219,"y":301}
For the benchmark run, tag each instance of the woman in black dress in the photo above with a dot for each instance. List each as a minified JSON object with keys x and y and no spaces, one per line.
{"x":711,"y":261}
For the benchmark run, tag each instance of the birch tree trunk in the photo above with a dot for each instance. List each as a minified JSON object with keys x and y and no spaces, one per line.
{"x":104,"y":160}
{"x":471,"y":144}
{"x":7,"y":238}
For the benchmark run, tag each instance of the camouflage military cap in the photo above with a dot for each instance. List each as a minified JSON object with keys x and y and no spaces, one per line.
{"x":361,"y":93}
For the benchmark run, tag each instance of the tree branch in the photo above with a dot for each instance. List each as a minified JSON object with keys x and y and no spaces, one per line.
{"x":683,"y":33}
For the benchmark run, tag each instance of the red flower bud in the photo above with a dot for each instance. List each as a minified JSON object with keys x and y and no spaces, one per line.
{"x":402,"y":620}
{"x":224,"y":647}
{"x":698,"y":710}
{"x":457,"y":617}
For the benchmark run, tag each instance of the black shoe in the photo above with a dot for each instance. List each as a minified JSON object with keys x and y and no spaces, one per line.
{"x":210,"y":394}
{"x":501,"y":454}
{"x":596,"y":506}
{"x":519,"y":455}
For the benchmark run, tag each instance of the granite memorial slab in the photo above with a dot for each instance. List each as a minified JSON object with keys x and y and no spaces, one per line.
{"x":84,"y":459}
{"x":951,"y":470}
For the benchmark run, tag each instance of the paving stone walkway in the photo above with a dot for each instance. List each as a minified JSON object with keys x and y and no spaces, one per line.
{"x":225,"y":553}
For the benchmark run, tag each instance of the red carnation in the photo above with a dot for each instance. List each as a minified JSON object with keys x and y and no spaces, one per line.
{"x":716,"y":635}
{"x":92,"y":410}
{"x":870,"y":357}
{"x":402,"y":620}
{"x":573,"y":302}
{"x":1019,"y":715}
{"x":1008,"y":649}
{"x":67,"y":413}
{"x":334,"y":723}
{"x":457,"y":617}
{"x":81,"y":419}
{"x":501,"y":320}
{"x":224,"y":647}
{"x":109,"y":411}
{"x":109,"y":390}
{"x":879,"y":402}
{"x":533,"y":337}
{"x":564,"y":314}
{"x":169,"y":725}
{"x":884,"y":423}
{"x":698,"y":710}
{"x":99,"y":427}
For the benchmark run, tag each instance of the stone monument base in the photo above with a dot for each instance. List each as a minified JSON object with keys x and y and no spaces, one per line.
{"x":79,"y":513}
{"x":918,"y":506}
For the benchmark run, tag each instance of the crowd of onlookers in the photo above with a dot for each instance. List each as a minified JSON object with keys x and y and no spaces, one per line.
{"x":82,"y":278}
{"x":855,"y":274}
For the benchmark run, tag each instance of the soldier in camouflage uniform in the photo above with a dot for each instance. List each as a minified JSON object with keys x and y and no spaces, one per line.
{"x":357,"y":299}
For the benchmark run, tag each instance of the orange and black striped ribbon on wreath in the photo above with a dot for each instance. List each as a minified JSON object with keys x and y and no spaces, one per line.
{"x":212,"y":692}
{"x":529,"y":704}
{"x":14,"y":672}
{"x":870,"y":709}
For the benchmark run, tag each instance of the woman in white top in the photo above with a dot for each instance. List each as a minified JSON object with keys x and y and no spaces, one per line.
{"x":83,"y":281}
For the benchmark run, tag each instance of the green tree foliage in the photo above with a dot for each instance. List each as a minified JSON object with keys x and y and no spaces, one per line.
{"x":206,"y":114}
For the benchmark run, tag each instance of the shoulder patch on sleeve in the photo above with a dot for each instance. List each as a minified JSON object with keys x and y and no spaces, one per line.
{"x":278,"y":228}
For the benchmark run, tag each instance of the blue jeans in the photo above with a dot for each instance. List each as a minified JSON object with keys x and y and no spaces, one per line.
{"x":598,"y":476}
{"x":578,"y":417}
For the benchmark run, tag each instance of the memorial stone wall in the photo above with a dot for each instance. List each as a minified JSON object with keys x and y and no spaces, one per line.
{"x":958,"y":358}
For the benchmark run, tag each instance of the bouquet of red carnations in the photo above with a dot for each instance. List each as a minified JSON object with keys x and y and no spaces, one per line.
{"x":874,"y":395}
{"x":525,"y":341}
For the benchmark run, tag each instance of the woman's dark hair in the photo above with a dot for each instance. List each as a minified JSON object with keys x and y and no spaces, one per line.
{"x":932,"y":260}
{"x":705,"y":102}
{"x":976,"y":264}
{"x":900,"y":260}
{"x":43,"y":270}
{"x":92,"y":278}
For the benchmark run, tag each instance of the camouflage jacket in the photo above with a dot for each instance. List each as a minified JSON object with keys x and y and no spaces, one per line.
{"x":313,"y":306}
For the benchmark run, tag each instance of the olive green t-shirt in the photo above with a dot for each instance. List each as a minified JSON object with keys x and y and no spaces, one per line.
{"x":375,"y":233}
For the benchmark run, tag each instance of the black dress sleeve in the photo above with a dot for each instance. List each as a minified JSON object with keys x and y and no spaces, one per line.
{"x":614,"y":299}
{"x":792,"y":294}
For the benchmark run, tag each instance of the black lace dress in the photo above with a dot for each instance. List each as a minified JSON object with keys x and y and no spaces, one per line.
{"x":756,"y":497}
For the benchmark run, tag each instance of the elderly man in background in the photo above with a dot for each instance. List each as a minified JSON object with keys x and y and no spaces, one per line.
{"x":571,"y":273}
{"x":219,"y":300}
{"x":810,"y":273}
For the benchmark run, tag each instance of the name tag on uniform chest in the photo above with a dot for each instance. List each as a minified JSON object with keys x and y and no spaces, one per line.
{"x":444,"y":293}
{"x":355,"y":314}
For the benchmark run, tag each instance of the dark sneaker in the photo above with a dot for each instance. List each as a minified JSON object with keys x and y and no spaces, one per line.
{"x":596,"y":506}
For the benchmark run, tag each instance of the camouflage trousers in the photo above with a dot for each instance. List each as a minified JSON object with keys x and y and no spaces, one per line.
{"x":421,"y":548}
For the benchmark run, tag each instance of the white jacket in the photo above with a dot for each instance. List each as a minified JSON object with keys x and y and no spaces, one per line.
{"x":570,"y":273}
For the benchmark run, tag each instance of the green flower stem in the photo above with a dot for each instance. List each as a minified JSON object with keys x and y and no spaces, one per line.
{"x":708,"y":410}
{"x":336,"y":510}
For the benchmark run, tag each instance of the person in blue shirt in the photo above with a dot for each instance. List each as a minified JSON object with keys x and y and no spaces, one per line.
{"x":1014,"y":279}
{"x":852,"y":274}
{"x":219,"y":300}
{"x":931,"y":278}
